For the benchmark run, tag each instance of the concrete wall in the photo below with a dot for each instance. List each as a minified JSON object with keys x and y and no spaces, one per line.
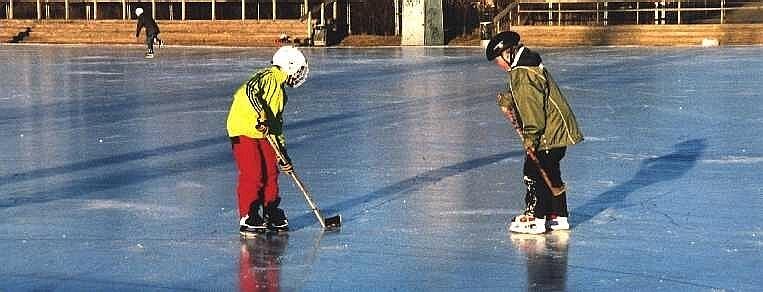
{"x":422,"y":23}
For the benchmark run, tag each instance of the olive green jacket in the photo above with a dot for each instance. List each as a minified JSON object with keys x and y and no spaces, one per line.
{"x":544,"y":115}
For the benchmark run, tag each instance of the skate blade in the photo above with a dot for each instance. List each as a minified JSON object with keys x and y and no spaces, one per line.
{"x":333,"y":222}
{"x":250,"y":235}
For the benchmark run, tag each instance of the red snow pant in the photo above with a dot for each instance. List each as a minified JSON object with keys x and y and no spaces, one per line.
{"x":257,"y":173}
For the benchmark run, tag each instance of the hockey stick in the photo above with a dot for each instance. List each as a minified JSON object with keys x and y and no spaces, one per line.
{"x":509,"y":114}
{"x":326,"y":223}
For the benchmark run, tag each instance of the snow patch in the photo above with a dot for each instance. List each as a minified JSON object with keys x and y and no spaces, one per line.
{"x":189,"y":184}
{"x":606,"y":216}
{"x":629,"y":156}
{"x":734,"y":160}
{"x":599,"y":139}
{"x":483,"y":212}
{"x":160,"y":211}
{"x":95,"y":73}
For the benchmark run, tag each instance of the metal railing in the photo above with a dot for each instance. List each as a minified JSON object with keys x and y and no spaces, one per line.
{"x":170,"y":9}
{"x":603,"y":12}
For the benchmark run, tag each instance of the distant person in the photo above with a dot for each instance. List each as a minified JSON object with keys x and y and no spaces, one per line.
{"x":283,"y":40}
{"x":256,"y":111}
{"x":547,"y":126}
{"x":152,"y":31}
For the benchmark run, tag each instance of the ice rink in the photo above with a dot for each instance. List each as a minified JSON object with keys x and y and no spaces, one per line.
{"x":116,"y":173}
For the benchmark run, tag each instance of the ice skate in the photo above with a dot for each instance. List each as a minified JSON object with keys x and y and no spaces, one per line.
{"x":276,"y":220}
{"x":527,"y":224}
{"x":252,"y":226}
{"x":558,"y":223}
{"x":149,"y":55}
{"x":159,"y":43}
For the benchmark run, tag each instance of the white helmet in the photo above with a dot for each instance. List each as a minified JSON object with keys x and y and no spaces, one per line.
{"x":291,"y":60}
{"x":138,"y":11}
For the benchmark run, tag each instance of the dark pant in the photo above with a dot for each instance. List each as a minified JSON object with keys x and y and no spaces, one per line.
{"x":545,"y":202}
{"x":150,"y":36}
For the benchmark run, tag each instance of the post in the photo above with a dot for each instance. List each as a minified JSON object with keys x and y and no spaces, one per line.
{"x":723,"y":10}
{"x":95,"y":9}
{"x":124,"y":9}
{"x":656,"y":13}
{"x":274,"y":9}
{"x":637,"y":12}
{"x":153,"y":9}
{"x":597,"y":13}
{"x":306,"y":12}
{"x":519,"y":15}
{"x":606,"y":13}
{"x":66,"y":9}
{"x":397,"y":16}
{"x":10,"y":9}
{"x":213,"y":9}
{"x":243,"y":10}
{"x":172,"y":13}
{"x":349,"y":17}
{"x":679,"y":12}
{"x":182,"y":10}
{"x":39,"y":10}
{"x":310,"y":25}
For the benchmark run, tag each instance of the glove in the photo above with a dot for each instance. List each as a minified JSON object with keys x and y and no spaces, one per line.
{"x":529,"y":144}
{"x":262,"y":126}
{"x":285,"y":164}
{"x":504,"y":99}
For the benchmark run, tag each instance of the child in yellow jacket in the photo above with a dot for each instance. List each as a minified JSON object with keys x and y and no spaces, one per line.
{"x":257,"y":111}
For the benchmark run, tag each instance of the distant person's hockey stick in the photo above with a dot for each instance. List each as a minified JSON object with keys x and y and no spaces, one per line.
{"x":510,"y":115}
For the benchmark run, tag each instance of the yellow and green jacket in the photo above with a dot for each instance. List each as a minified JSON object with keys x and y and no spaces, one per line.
{"x":545,"y":117}
{"x":265,"y":89}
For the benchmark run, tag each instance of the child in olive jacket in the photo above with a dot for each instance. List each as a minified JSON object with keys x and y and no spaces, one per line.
{"x":547,"y":126}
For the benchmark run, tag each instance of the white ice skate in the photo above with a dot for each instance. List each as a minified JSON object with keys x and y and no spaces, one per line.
{"x":527,"y":224}
{"x":251,"y":228}
{"x":149,"y":56}
{"x":558,"y":223}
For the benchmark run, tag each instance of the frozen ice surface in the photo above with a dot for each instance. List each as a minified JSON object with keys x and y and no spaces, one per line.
{"x":116,"y":174}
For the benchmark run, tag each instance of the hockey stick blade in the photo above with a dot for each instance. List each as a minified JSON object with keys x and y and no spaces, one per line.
{"x":333,"y":222}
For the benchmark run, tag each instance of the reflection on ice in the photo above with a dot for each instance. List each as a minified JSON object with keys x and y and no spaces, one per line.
{"x":546,"y":259}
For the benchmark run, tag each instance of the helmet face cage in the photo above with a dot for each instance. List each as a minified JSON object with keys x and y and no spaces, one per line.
{"x":296,"y":79}
{"x":293,"y":63}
